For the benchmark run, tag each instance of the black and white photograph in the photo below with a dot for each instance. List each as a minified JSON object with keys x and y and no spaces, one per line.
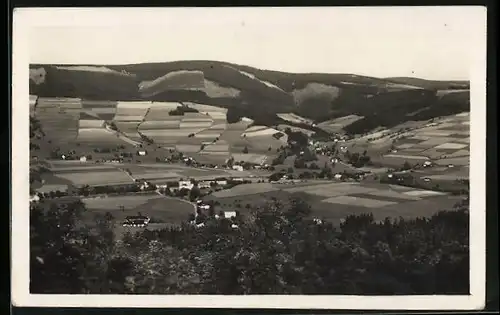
{"x":319,"y":158}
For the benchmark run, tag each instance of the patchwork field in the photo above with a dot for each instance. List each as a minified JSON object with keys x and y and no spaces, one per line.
{"x":335,"y":201}
{"x":439,"y":140}
{"x":59,"y":117}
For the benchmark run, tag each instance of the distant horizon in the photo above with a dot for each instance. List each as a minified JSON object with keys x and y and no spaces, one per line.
{"x":221,"y":61}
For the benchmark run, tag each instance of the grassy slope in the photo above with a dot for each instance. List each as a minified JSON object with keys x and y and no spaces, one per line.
{"x":361,"y":95}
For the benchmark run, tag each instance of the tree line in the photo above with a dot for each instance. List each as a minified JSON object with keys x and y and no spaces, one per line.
{"x":278,"y":249}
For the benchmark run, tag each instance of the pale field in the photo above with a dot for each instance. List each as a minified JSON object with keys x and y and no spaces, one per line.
{"x":94,"y":69}
{"x":294,"y":118}
{"x":419,"y":137}
{"x":405,"y":146}
{"x":127,"y":126}
{"x":331,"y":190}
{"x":260,"y":132}
{"x":59,"y":100}
{"x":256,"y":128}
{"x":408,"y":157}
{"x":268,"y":84}
{"x":177,"y":133}
{"x":207,"y":135}
{"x":451,"y":145}
{"x":360,"y":202}
{"x":295,"y":129}
{"x":314,"y":89}
{"x":192,"y":79}
{"x":261,"y":144}
{"x":392,"y":194}
{"x":156,"y":175}
{"x":214,"y":90}
{"x":187,"y":148}
{"x":455,"y":161}
{"x":139,"y":105}
{"x":245,"y":189}
{"x":218,"y":127}
{"x":51,"y":187}
{"x":448,"y":177}
{"x":251,"y":158}
{"x":96,"y":178}
{"x":206,"y":108}
{"x":424,"y":193}
{"x":97,"y":135}
{"x":432,"y":153}
{"x":191,"y":125}
{"x":459,"y":153}
{"x":110,"y":110}
{"x":436,"y":133}
{"x":159,"y":124}
{"x":128,"y":202}
{"x":217,"y":147}
{"x":434,"y":141}
{"x":441,"y":93}
{"x":90,"y":123}
{"x":128,"y":118}
{"x":218,"y":116}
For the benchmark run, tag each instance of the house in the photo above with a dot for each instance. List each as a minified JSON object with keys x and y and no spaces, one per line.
{"x":337,"y":176}
{"x":142,"y":152}
{"x":221,"y":182}
{"x":136,"y":221}
{"x":427,"y":163}
{"x":83,"y":159}
{"x":34,"y":198}
{"x":187,"y":184}
{"x":238,"y":168}
{"x":63,"y":157}
{"x":204,"y":184}
{"x":229,"y":214}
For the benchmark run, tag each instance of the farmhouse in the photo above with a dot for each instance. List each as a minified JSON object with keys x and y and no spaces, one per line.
{"x":136,"y":221}
{"x":229,"y":214}
{"x":187,"y":184}
{"x":238,"y":168}
{"x":142,"y":152}
{"x":204,"y":184}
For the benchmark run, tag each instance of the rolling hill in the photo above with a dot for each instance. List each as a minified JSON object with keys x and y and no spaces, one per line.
{"x":259,"y":94}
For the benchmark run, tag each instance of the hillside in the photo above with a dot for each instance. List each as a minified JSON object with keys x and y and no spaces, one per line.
{"x":258,"y":94}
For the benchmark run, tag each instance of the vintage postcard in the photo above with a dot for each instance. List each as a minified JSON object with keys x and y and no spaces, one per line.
{"x":294,"y":158}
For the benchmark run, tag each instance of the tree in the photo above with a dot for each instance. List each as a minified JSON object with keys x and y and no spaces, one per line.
{"x":245,"y":150}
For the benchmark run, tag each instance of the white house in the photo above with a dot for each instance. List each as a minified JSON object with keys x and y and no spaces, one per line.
{"x":142,"y":152}
{"x":221,"y":182}
{"x":34,"y":198}
{"x":185,"y":184}
{"x":204,"y":184}
{"x":229,"y":214}
{"x":83,"y":159}
{"x":337,"y":176}
{"x":238,"y":168}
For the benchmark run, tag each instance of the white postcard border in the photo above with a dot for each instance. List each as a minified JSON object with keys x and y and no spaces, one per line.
{"x":26,"y":18}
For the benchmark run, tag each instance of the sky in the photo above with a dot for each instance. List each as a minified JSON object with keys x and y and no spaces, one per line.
{"x":426,"y":42}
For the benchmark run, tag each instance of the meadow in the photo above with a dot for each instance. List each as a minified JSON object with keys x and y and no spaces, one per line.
{"x":162,"y":210}
{"x":335,"y":201}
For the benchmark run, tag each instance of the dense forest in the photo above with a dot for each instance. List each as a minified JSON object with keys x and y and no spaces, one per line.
{"x":276,"y":249}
